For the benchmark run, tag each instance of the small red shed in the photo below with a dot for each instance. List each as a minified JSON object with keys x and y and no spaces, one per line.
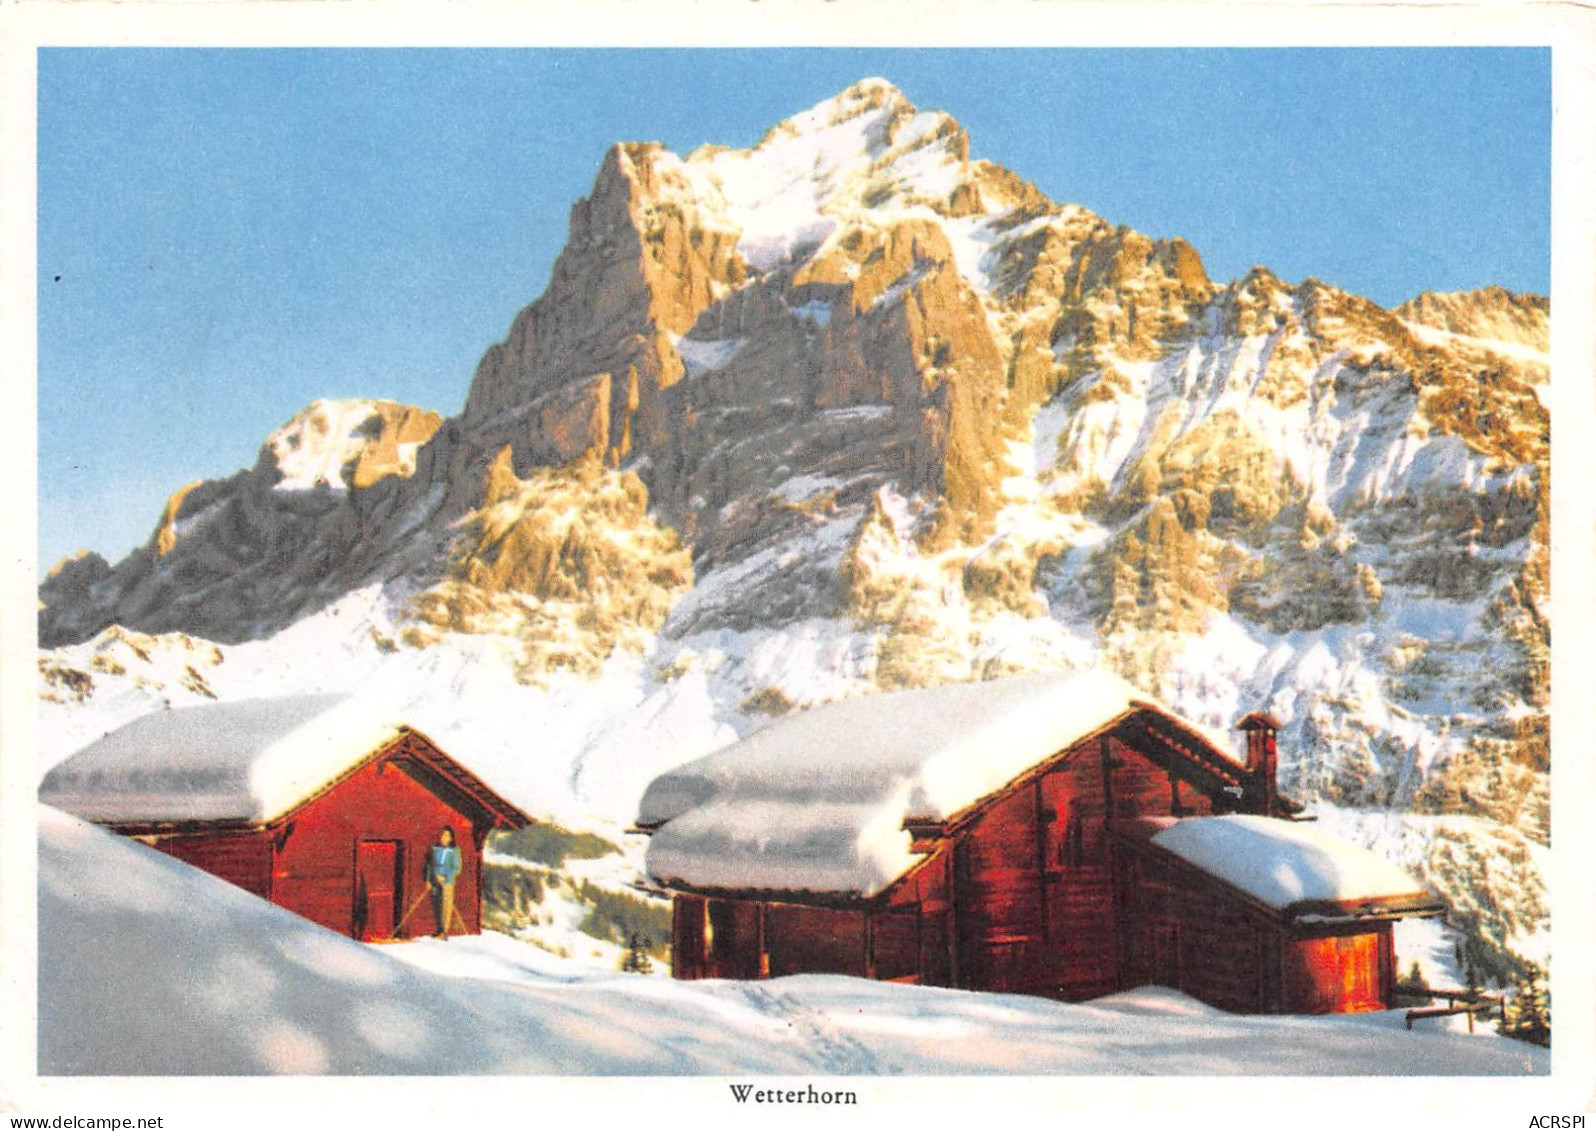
{"x":316,"y":803}
{"x":1256,"y":915}
{"x":971,"y":835}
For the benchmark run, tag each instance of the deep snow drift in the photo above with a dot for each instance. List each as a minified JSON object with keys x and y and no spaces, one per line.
{"x":150,"y":967}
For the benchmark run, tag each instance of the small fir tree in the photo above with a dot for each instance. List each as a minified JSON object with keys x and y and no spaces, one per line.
{"x":1527,"y":1012}
{"x":1414,"y":983}
{"x":637,"y":960}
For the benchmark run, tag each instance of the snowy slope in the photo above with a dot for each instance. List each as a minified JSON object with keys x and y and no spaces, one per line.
{"x":156,"y":968}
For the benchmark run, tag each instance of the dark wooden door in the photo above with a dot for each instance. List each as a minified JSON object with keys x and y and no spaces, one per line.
{"x":1163,"y":958}
{"x":377,"y":888}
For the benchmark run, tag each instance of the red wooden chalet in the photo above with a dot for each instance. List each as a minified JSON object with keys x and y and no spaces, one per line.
{"x":1062,"y":836}
{"x":316,"y":803}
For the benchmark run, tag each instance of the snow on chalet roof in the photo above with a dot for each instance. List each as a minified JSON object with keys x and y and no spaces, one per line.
{"x":816,"y":801}
{"x":250,"y":760}
{"x":1288,"y":865}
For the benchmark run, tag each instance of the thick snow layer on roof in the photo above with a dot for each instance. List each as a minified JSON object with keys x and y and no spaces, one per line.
{"x":250,"y":760}
{"x":785,"y":846}
{"x":816,"y":801}
{"x":1285,"y":862}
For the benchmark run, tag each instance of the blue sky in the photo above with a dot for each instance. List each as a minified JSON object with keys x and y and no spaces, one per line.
{"x":227,"y":235}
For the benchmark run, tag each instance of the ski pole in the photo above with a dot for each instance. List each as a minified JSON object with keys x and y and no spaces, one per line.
{"x":409,"y":913}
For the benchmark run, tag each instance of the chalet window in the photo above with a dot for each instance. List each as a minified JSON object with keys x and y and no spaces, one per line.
{"x":1072,"y":849}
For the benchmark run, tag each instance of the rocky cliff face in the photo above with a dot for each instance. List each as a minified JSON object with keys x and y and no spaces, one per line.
{"x":852,"y":385}
{"x":327,"y":506}
{"x":734,"y":321}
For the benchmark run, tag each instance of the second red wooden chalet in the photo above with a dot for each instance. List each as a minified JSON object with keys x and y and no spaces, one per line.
{"x":316,"y":803}
{"x":1062,"y":836}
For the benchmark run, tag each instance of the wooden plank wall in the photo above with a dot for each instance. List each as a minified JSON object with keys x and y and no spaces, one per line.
{"x":1033,"y":899}
{"x":1080,"y":911}
{"x":1233,"y":956}
{"x":895,"y":945}
{"x":814,"y":940}
{"x":998,"y":897}
{"x":244,"y":859}
{"x":1181,"y":931}
{"x":735,"y":940}
{"x":928,"y":894}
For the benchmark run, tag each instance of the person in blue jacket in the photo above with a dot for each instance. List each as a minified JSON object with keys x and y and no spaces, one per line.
{"x":443,"y":867}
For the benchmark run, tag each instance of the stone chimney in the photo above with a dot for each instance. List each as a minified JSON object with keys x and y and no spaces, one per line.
{"x":1262,"y":760}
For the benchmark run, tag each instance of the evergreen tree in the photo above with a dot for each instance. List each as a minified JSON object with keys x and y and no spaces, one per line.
{"x":637,"y":960}
{"x":1527,"y":1012}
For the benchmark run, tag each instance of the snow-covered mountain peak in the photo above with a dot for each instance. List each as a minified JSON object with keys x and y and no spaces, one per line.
{"x":872,"y":97}
{"x":336,"y":444}
{"x":867,"y":150}
{"x":310,"y":451}
{"x":862,"y":123}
